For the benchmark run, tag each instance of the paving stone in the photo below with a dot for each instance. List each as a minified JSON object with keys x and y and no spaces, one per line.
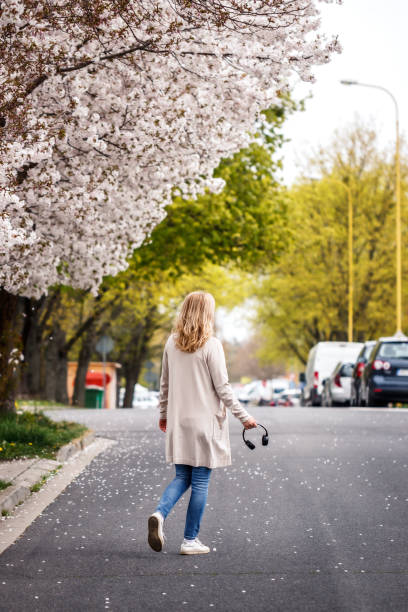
{"x":67,"y":451}
{"x":47,"y":464}
{"x":10,"y":497}
{"x":24,"y":473}
{"x":31,"y":476}
{"x":10,"y":470}
{"x":87,"y":439}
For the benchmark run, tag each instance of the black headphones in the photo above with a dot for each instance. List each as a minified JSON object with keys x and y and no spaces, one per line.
{"x":265,"y":438}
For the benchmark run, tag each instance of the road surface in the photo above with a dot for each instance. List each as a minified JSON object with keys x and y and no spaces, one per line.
{"x":318,"y":521}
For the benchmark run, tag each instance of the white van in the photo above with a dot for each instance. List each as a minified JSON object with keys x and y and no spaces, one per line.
{"x":322,"y":360}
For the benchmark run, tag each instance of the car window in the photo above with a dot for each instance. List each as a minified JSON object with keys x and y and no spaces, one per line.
{"x":367,"y":352}
{"x":393,"y":350}
{"x":361,"y":354}
{"x":347,"y":369}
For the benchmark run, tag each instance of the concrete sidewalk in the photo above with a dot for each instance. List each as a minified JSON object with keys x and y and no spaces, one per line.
{"x":23,"y":474}
{"x":13,"y":526}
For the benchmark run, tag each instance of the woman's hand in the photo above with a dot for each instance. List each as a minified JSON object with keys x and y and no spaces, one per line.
{"x":163,"y":424}
{"x":249,"y":423}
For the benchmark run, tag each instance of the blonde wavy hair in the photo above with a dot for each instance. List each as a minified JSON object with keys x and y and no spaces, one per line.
{"x":195,"y":322}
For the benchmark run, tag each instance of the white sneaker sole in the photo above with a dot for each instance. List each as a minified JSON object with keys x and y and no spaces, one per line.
{"x":194,"y":552}
{"x":154,"y":539}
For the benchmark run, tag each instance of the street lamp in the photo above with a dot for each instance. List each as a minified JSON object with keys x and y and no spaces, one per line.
{"x":397,"y":198}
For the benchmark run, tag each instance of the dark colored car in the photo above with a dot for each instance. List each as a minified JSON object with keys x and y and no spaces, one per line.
{"x":358,"y":371}
{"x":385,"y":377}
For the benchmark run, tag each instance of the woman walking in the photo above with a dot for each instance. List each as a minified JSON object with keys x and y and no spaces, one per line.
{"x":194,"y":395}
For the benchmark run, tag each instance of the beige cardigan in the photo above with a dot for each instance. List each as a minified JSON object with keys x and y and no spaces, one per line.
{"x":194,"y":394}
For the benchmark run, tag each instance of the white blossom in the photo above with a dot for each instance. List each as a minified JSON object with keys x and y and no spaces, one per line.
{"x":106,"y":137}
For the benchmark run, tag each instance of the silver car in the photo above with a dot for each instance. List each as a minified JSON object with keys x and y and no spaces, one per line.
{"x":320,"y":363}
{"x":337,"y":387}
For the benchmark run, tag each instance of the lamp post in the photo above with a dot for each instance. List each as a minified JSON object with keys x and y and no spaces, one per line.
{"x":397,"y":199}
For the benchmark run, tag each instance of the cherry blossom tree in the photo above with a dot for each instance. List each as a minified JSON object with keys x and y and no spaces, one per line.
{"x":110,"y":107}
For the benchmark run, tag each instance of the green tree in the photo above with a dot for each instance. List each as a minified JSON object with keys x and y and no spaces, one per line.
{"x":244,"y":225}
{"x":148,"y":310}
{"x":303,"y":299}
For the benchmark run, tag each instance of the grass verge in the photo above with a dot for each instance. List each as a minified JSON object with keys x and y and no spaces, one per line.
{"x":38,"y":405}
{"x":37,"y":486}
{"x":4,"y":484}
{"x":35,"y":435}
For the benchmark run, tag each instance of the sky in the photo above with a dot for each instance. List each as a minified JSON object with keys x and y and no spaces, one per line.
{"x":374,"y":37}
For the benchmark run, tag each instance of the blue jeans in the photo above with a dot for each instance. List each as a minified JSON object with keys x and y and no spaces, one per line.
{"x":198,"y":478}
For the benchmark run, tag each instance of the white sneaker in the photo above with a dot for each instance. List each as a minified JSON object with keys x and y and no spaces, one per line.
{"x":193,"y":547}
{"x":156,"y":535}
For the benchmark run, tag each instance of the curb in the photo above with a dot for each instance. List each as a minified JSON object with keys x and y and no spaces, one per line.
{"x":11,"y":528}
{"x":12,"y":496}
{"x":73,"y":447}
{"x":20,"y":488}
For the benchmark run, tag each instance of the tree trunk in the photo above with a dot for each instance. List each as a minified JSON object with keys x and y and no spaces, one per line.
{"x":88,"y":342}
{"x":118,"y":392}
{"x":10,"y":350}
{"x":131,"y":380}
{"x":61,"y":392}
{"x":49,"y":362}
{"x":32,"y":348}
{"x":54,"y":372}
{"x":135,"y":354}
{"x":56,"y":360}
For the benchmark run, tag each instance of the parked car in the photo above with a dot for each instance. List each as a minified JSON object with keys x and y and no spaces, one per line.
{"x":258,"y":392}
{"x":337,"y":386}
{"x":290,"y":397}
{"x":323,"y":358}
{"x":385,"y":377}
{"x":142,"y":397}
{"x":279,"y":385}
{"x":361,"y":362}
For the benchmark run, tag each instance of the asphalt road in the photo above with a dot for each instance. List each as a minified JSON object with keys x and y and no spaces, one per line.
{"x":318,"y":521}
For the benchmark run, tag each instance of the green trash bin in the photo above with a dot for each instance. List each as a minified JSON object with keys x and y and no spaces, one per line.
{"x":93,"y":397}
